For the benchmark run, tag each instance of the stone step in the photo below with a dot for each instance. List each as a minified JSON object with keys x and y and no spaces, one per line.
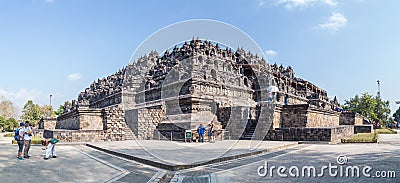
{"x":129,"y":134}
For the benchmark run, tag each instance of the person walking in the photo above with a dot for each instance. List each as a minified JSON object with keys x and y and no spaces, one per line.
{"x":27,"y":139}
{"x":19,"y":137}
{"x":200,"y":130}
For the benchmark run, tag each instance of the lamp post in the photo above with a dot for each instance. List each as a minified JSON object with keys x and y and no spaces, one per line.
{"x":50,"y":98}
{"x":379,"y":100}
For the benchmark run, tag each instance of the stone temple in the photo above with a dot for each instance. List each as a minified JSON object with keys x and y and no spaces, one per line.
{"x":160,"y":96}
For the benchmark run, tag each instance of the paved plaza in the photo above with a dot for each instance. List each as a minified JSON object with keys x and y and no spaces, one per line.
{"x":81,"y":163}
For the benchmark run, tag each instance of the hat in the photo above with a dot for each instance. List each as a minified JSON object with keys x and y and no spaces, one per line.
{"x":22,"y":124}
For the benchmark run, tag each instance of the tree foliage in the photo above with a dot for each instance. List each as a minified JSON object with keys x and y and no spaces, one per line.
{"x":396,"y":115}
{"x":60,"y":110}
{"x":32,"y":112}
{"x":8,"y":124}
{"x":7,"y":108}
{"x":48,"y":111}
{"x":371,"y":107}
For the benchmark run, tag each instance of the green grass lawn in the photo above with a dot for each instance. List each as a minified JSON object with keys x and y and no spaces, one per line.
{"x":362,"y":138}
{"x":385,"y":131}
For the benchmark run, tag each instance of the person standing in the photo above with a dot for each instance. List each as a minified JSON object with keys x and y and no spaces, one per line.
{"x":210,"y":132}
{"x":19,"y":137}
{"x":27,"y":139}
{"x":200,"y":130}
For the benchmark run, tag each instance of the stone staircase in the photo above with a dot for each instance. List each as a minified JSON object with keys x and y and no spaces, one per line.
{"x":129,"y":134}
{"x":248,"y":135}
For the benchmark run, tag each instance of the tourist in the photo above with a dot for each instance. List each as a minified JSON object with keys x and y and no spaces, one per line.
{"x":27,"y":139}
{"x":19,"y":137}
{"x":50,"y":148}
{"x":200,"y":130}
{"x":210,"y":132}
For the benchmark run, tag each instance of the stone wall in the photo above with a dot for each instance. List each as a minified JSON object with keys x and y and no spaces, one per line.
{"x":115,"y":126}
{"x":327,"y":134}
{"x":109,"y":120}
{"x":48,"y":123}
{"x":237,"y":123}
{"x":341,"y":132}
{"x":81,"y":119}
{"x":293,"y":116}
{"x":322,"y":118}
{"x":223,"y":115}
{"x":144,"y":121}
{"x":305,"y":116}
{"x":265,"y":121}
{"x":363,"y":129}
{"x":79,"y":135}
{"x":351,"y":119}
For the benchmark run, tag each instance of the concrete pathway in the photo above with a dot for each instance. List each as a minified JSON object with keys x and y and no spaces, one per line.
{"x":180,"y":154}
{"x":71,"y":165}
{"x":380,"y":157}
{"x":393,"y":139}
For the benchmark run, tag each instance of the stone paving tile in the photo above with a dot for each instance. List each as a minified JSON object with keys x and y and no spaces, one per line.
{"x":380,"y":157}
{"x":177,"y":153}
{"x":69,"y":166}
{"x":138,"y":172}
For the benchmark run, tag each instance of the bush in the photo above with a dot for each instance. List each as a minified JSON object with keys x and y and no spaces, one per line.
{"x":35,"y":140}
{"x":385,"y":131}
{"x":8,"y":135}
{"x":362,"y":138}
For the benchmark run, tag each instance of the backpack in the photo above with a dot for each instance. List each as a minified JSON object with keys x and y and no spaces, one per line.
{"x":53,"y":141}
{"x":16,"y":135}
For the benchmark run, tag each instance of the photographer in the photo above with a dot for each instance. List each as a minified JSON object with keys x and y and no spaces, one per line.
{"x":50,"y":147}
{"x":27,"y":139}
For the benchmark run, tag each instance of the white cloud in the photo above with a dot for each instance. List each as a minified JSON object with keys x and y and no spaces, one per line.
{"x":271,"y":53}
{"x":330,"y":2}
{"x":261,"y":3}
{"x":74,"y":76}
{"x":335,"y":21}
{"x":289,"y":4}
{"x":49,"y":1}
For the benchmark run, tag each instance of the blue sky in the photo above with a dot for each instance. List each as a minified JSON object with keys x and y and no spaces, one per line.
{"x":59,"y":47}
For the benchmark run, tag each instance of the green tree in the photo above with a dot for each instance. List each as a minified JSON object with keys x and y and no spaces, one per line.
{"x":32,"y":112}
{"x":371,"y":107}
{"x":396,"y":115}
{"x":60,"y":110}
{"x":8,"y":124}
{"x":2,"y":123}
{"x":48,"y":111}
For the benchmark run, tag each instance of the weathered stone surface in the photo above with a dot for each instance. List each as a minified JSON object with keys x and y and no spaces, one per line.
{"x":328,"y":134}
{"x":48,"y":123}
{"x":363,"y":129}
{"x":350,"y":118}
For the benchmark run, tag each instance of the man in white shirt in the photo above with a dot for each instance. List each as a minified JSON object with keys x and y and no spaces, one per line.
{"x":27,"y":139}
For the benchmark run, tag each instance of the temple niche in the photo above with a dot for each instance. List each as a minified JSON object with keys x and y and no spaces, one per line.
{"x":160,"y":96}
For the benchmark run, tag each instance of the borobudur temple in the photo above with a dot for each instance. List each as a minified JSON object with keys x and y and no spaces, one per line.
{"x":162,"y":96}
